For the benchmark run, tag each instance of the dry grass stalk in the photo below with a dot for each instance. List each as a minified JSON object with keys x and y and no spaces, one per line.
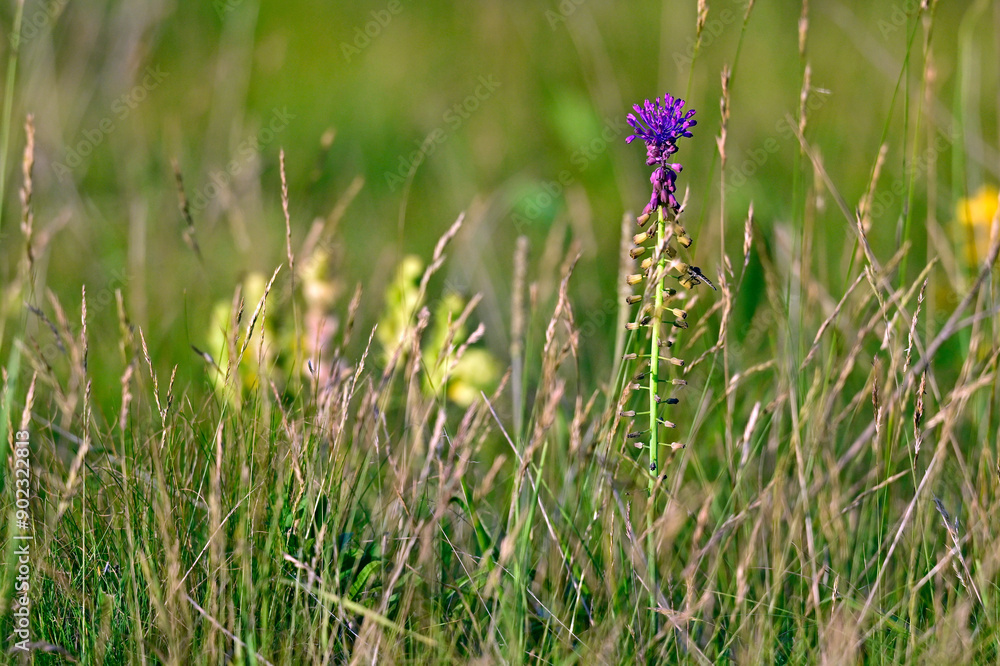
{"x":288,"y":218}
{"x":964,"y":575}
{"x":76,"y":467}
{"x":951,"y":326}
{"x":27,"y":211}
{"x":918,"y":415}
{"x":182,"y":201}
{"x":258,"y":312}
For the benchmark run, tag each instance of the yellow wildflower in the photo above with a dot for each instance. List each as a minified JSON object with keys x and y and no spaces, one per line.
{"x":220,"y":340}
{"x":975,"y":218}
{"x":452,"y":367}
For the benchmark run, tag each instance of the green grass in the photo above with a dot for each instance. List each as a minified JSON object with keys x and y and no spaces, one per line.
{"x":348,"y":468}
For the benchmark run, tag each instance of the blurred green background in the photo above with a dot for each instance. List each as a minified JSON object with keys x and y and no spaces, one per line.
{"x":506,"y":98}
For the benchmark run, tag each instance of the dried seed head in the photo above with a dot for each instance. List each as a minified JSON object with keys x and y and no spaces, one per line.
{"x":918,"y":415}
{"x":747,"y":235}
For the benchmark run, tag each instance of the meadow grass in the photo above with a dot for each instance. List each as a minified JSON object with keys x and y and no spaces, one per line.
{"x":340,"y":487}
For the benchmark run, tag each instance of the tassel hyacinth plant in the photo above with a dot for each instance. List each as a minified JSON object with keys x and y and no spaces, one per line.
{"x":661,"y":313}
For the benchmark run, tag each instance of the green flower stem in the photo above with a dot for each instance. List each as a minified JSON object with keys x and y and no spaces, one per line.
{"x":656,"y":273}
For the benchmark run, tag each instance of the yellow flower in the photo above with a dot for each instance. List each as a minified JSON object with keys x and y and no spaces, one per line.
{"x":476,"y":371}
{"x":452,"y":367}
{"x":401,"y":302}
{"x":220,"y":339}
{"x":320,"y":286}
{"x":975,"y":217}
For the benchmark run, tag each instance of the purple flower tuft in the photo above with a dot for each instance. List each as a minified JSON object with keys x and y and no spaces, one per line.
{"x":660,"y":126}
